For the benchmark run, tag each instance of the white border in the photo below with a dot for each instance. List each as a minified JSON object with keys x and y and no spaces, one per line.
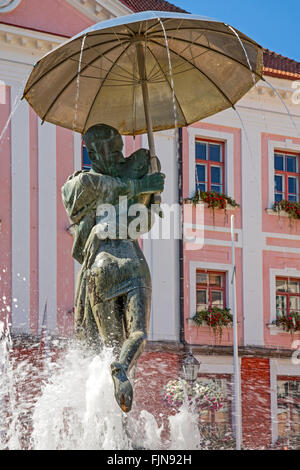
{"x":279,"y":367}
{"x":286,"y":145}
{"x":228,"y":139}
{"x":215,"y":364}
{"x":287,"y":272}
{"x":20,"y":168}
{"x":193,"y":266}
{"x":47,"y":225}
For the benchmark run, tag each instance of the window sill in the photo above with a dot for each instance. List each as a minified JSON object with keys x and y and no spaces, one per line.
{"x":227,"y":208}
{"x":275,"y":330}
{"x":191,"y":322}
{"x":279,"y":214}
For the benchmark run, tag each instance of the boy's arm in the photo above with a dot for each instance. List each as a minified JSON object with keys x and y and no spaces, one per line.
{"x":80,"y":193}
{"x":100,"y":184}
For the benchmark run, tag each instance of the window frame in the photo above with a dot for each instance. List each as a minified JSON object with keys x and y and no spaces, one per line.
{"x":289,"y":401}
{"x":207,"y":287}
{"x":210,"y":163}
{"x":286,"y":174}
{"x":228,"y":398}
{"x":286,"y":294}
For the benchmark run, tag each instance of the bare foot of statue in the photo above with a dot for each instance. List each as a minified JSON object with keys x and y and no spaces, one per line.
{"x":123,"y":388}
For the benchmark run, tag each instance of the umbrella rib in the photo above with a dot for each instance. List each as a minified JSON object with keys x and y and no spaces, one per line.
{"x":102,"y":84}
{"x":70,"y":81}
{"x":158,"y":22}
{"x":175,"y":67}
{"x":101,"y":69}
{"x":70,"y":58}
{"x":164,"y":74}
{"x":227,"y":33}
{"x":210,"y":49}
{"x":208,"y":78}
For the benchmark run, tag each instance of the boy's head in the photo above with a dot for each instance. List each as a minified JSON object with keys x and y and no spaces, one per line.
{"x":104,"y":145}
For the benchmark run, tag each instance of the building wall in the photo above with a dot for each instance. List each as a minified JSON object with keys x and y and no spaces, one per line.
{"x":266,"y":245}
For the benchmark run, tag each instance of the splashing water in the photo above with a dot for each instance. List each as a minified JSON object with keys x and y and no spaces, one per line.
{"x":284,"y":104}
{"x":266,"y":81}
{"x":254,"y":83}
{"x":244,"y":50}
{"x":68,"y":404}
{"x":14,"y":108}
{"x":17,"y":102}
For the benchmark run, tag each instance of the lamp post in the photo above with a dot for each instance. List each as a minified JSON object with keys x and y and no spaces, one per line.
{"x":190,"y":368}
{"x":236,"y":366}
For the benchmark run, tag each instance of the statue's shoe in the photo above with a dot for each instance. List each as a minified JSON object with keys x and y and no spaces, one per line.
{"x":123,"y":388}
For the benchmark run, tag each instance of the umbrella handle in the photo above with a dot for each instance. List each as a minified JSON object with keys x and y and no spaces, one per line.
{"x":143,"y":77}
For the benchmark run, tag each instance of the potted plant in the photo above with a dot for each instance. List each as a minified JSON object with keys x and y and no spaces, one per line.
{"x":216,"y":318}
{"x":206,"y":395}
{"x":289,"y":322}
{"x":213,"y":200}
{"x":290,"y":207}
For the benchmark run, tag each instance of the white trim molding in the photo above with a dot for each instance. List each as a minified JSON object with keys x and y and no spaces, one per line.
{"x":215,"y":364}
{"x":25,"y":45}
{"x":228,"y":139}
{"x":193,"y":266}
{"x":273,"y":145}
{"x":279,"y":367}
{"x":100,"y":10}
{"x":287,"y":272}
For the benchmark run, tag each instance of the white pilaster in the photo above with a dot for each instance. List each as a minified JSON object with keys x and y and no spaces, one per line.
{"x":162,"y":255}
{"x":20,"y":215}
{"x":47,"y":224}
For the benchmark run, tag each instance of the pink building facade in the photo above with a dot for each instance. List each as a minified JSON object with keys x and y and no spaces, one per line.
{"x":253,"y":157}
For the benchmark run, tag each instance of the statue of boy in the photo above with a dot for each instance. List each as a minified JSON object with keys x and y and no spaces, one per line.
{"x":113,"y":293}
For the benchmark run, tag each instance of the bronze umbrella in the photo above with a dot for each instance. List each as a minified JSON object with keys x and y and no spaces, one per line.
{"x":144,"y":72}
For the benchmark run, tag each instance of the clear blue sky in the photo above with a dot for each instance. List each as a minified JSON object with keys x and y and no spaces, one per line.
{"x":274,"y":24}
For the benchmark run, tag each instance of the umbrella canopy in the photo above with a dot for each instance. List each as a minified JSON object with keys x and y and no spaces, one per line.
{"x":95,"y":76}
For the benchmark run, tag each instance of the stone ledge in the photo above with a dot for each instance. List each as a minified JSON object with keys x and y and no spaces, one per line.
{"x":228,"y":207}
{"x":277,"y":330}
{"x":191,"y":322}
{"x":255,"y":351}
{"x":279,"y":214}
{"x":59,"y":343}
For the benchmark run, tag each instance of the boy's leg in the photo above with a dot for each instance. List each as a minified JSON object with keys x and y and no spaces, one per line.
{"x":137,"y":319}
{"x":108,"y":317}
{"x":137,"y":316}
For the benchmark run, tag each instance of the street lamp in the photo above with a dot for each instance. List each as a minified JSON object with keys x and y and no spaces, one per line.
{"x":190,"y":368}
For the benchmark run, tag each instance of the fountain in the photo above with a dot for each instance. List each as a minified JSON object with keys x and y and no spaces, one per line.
{"x":81,"y":398}
{"x":67,"y":403}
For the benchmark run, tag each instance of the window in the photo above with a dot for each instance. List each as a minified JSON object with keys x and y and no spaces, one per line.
{"x":210,"y":166}
{"x":288,"y":406}
{"x":218,"y":419}
{"x":287,"y":176}
{"x":287,"y":296}
{"x":86,"y":162}
{"x":210,"y":288}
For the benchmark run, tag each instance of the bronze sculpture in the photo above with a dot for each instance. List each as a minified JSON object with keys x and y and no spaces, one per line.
{"x":113,"y":293}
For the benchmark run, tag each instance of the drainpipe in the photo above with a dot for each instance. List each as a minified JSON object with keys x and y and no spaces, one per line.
{"x":180,"y":247}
